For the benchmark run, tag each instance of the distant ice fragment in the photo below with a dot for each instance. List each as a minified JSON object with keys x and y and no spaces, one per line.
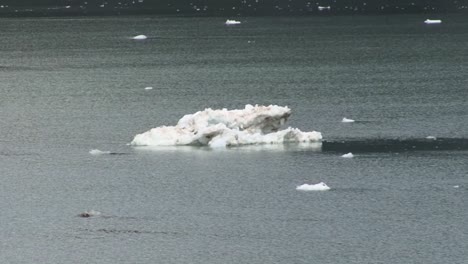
{"x":432,"y":21}
{"x":348,"y":155}
{"x":224,"y":128}
{"x":148,"y":88}
{"x":98,"y":152}
{"x":347,"y":120}
{"x":140,"y":37}
{"x":321,"y":8}
{"x":456,"y":186}
{"x":89,"y":213}
{"x":232,"y":22}
{"x":313,"y":187}
{"x":431,"y":137}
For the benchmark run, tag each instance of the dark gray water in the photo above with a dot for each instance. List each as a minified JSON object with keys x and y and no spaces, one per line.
{"x":72,"y":85}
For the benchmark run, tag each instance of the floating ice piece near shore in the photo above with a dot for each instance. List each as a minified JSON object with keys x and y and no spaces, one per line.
{"x":149,"y":88}
{"x":456,"y":186}
{"x":89,"y":213}
{"x":348,"y":155}
{"x":140,"y":37}
{"x":98,"y":152}
{"x":432,"y":21}
{"x":224,"y":128}
{"x":347,"y":120}
{"x":431,"y":137}
{"x":321,"y":8}
{"x":232,"y":22}
{"x":313,"y":187}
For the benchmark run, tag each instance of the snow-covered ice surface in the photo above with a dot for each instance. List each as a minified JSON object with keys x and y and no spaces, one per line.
{"x":224,"y":128}
{"x":313,"y":187}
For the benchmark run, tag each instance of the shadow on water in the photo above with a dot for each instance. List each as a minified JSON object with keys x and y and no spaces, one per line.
{"x":394,"y":145}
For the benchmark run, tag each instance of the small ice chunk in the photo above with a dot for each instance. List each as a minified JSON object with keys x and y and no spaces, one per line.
{"x":149,"y":88}
{"x":431,"y":137}
{"x":432,"y":21}
{"x":89,"y":213}
{"x":321,"y":8}
{"x":348,"y":155}
{"x":313,"y":187}
{"x":347,"y":120}
{"x":140,"y":37}
{"x":98,"y":152}
{"x":232,"y":22}
{"x":456,"y":186}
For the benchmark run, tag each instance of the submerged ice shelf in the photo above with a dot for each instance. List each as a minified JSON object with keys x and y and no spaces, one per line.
{"x":224,"y":128}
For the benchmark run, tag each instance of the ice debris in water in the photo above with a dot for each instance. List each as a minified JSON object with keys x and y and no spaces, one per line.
{"x":313,"y":187}
{"x":98,"y":152}
{"x":89,"y":213}
{"x":223,"y":128}
{"x":232,"y":22}
{"x":149,"y":88}
{"x":432,"y":21}
{"x":140,"y":37}
{"x":348,"y":155}
{"x":431,"y":137}
{"x":347,"y":120}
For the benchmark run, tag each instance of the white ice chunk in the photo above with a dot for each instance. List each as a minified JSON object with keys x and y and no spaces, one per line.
{"x":313,"y":187}
{"x":432,"y":21}
{"x":140,"y":37}
{"x":347,"y":120}
{"x":232,"y":22}
{"x":148,"y":88}
{"x":321,"y":8}
{"x":223,"y":128}
{"x":348,"y":155}
{"x":431,"y":137}
{"x":98,"y":152}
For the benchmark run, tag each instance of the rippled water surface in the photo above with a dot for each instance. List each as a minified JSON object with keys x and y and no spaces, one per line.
{"x":72,"y":85}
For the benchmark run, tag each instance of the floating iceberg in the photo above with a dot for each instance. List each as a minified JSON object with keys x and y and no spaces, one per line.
{"x":432,"y":21}
{"x":149,"y":88}
{"x":232,"y":22}
{"x":140,"y":37}
{"x":224,"y":128}
{"x":431,"y":137}
{"x":347,"y":120}
{"x":313,"y":187}
{"x":348,"y":155}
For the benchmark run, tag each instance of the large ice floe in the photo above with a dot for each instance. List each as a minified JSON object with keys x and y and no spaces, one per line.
{"x":225,"y":128}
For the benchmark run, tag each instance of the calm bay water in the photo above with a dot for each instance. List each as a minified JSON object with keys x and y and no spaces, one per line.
{"x":72,"y":85}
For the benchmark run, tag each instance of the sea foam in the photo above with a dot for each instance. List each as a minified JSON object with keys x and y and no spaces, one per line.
{"x":224,"y":128}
